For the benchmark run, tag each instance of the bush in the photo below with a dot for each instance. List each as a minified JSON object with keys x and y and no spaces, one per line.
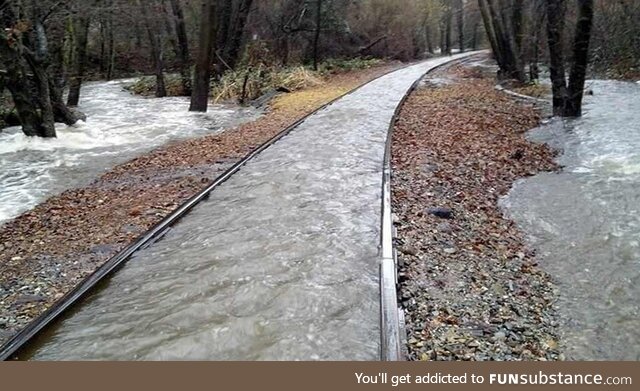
{"x":146,"y":85}
{"x":260,"y":79}
{"x":343,"y":65}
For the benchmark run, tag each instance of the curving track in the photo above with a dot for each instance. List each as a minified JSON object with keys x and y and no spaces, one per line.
{"x":280,"y":262}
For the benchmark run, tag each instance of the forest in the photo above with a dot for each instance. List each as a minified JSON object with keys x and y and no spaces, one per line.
{"x":430,"y":180}
{"x":49,"y":48}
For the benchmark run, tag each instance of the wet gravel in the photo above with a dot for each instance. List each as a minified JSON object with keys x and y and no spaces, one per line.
{"x":470,"y":287}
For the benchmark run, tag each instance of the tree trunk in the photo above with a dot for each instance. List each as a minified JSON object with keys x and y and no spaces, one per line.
{"x":107,"y":43}
{"x":110,"y":50}
{"x":225,"y":14}
{"x":518,"y":25}
{"x":460,"y":20}
{"x":556,"y":10}
{"x":316,"y":39}
{"x":507,"y":54}
{"x":202,"y":74}
{"x":233,"y":49}
{"x":567,"y":99}
{"x":581,"y":41}
{"x":443,"y":36}
{"x":474,"y":38}
{"x":18,"y":85}
{"x":81,"y":34}
{"x":429,"y":38}
{"x":183,"y":45}
{"x":448,"y":30}
{"x":155,"y":43}
{"x":490,"y":31}
{"x":103,"y":47}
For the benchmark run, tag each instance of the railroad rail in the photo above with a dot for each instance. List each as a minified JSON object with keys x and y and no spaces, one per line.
{"x":393,"y":337}
{"x":391,"y":315}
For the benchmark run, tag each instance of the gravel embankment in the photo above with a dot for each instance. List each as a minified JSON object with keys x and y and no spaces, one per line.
{"x":45,"y":252}
{"x":470,"y":287}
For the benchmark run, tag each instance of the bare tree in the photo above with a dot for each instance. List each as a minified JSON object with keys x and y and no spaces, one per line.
{"x":567,"y":96}
{"x":80,"y":24}
{"x":155,"y":43}
{"x":460,"y":22}
{"x":202,"y":74}
{"x":25,"y":55}
{"x":316,"y":39}
{"x":183,"y":45}
{"x":503,"y":33}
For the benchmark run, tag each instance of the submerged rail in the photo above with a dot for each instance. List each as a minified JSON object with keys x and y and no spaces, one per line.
{"x":23,"y":338}
{"x":390,"y":316}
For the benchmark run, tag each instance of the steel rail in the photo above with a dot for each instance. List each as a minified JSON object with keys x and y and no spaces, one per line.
{"x":392,"y":337}
{"x":154,"y":234}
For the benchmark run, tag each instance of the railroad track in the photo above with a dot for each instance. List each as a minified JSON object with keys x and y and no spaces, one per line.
{"x":390,"y":317}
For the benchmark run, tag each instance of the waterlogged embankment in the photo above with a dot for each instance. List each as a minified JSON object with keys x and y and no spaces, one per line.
{"x":470,"y":287}
{"x":585,"y":222}
{"x":279,"y":263}
{"x":46,"y":251}
{"x":119,"y":127}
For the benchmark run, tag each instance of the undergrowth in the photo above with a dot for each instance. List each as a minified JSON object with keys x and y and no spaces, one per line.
{"x":259,"y":79}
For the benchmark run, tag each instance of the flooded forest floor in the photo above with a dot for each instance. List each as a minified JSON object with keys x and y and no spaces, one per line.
{"x":469,"y":286}
{"x":45,"y":252}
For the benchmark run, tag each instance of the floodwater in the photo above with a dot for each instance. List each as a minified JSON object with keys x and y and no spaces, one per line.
{"x":279,"y":264}
{"x":119,"y":127}
{"x":585,"y":222}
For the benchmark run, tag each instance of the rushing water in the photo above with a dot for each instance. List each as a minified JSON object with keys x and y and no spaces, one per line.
{"x":585,"y":222}
{"x":279,"y":264}
{"x":120,"y":126}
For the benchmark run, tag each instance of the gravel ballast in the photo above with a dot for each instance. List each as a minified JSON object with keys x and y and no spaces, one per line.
{"x":469,"y":286}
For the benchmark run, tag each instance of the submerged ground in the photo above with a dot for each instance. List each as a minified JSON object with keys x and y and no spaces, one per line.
{"x":47,"y":250}
{"x":280,"y":263}
{"x":471,"y":285}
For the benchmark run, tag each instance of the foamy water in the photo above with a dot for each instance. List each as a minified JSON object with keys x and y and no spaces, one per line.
{"x":119,"y":126}
{"x":585,"y":222}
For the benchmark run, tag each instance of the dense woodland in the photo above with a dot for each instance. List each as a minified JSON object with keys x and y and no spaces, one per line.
{"x":48,"y":48}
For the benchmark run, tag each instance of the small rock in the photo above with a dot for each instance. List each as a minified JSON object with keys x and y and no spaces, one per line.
{"x":103,"y":249}
{"x":24,"y":299}
{"x":500,"y":335}
{"x":552,"y":344}
{"x":517,"y":155}
{"x":443,"y":213}
{"x":408,"y":250}
{"x":6,"y":334}
{"x":445,"y":228}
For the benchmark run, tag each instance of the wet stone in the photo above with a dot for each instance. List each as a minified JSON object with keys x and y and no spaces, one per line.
{"x":443,"y":213}
{"x":445,"y":228}
{"x":24,"y":299}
